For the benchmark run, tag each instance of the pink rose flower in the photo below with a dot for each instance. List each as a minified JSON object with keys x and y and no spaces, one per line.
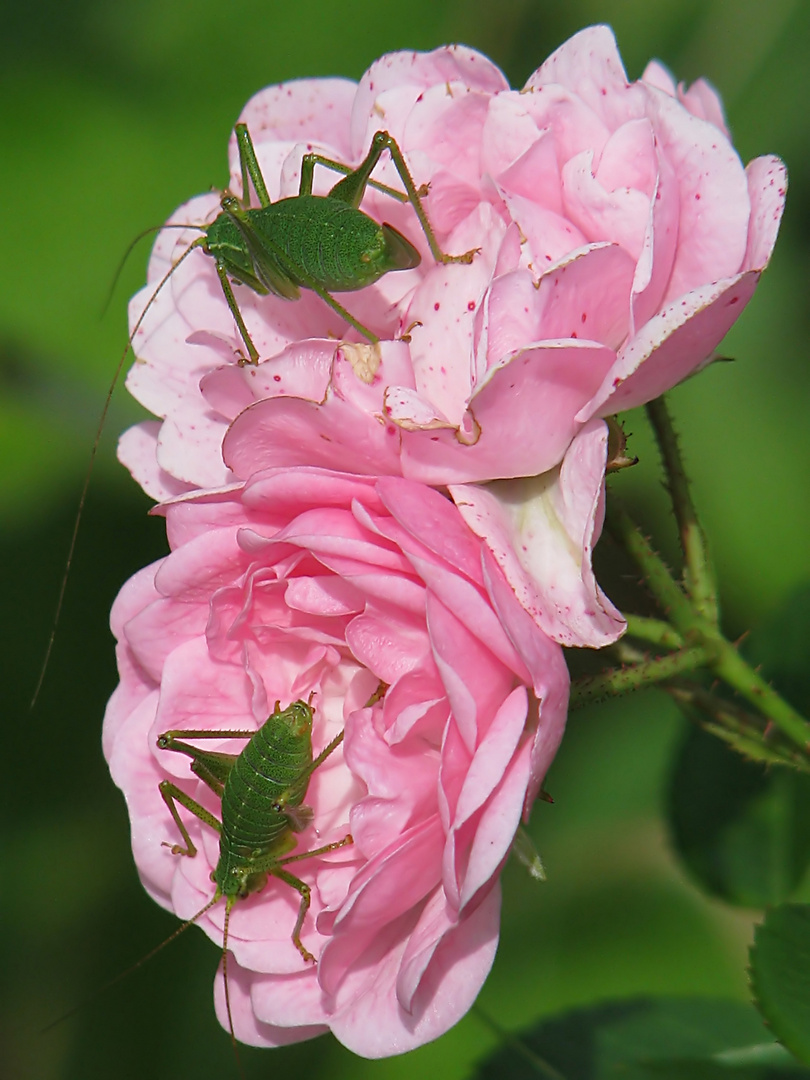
{"x":619,"y":236}
{"x":305,"y":582}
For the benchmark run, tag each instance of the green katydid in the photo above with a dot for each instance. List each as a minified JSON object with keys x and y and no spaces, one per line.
{"x":320,"y":242}
{"x":324,"y":243}
{"x":262,"y":791}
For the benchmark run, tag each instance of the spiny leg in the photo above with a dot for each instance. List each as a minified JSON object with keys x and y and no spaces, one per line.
{"x":207,"y":733}
{"x":253,"y":352}
{"x":302,"y":888}
{"x":413,"y":197}
{"x":212,"y":766}
{"x":324,"y":754}
{"x":305,"y":892}
{"x":172,"y":794}
{"x":352,"y":188}
{"x":300,"y":817}
{"x":250,"y":168}
{"x":309,"y":161}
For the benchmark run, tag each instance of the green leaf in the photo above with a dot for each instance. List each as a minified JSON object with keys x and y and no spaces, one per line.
{"x":780,"y":975}
{"x":742,"y":830}
{"x":780,"y":647}
{"x":646,"y":1039}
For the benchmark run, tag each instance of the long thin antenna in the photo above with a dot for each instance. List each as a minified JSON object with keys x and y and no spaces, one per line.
{"x":131,"y":248}
{"x":72,"y":547}
{"x":227,"y":989}
{"x":134,"y":967}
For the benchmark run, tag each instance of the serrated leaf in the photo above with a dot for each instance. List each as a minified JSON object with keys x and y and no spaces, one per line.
{"x":743,"y":830}
{"x":647,"y":1039}
{"x":780,"y":975}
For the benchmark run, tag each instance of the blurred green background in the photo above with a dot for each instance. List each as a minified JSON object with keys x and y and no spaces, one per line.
{"x":112,"y":115}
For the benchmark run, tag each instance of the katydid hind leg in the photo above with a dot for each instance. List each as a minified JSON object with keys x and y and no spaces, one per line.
{"x":352,"y":188}
{"x":249,"y":165}
{"x":302,"y":888}
{"x":416,"y":202}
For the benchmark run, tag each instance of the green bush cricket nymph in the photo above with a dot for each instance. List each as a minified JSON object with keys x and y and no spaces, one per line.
{"x":324,"y":243}
{"x":262,"y":791}
{"x":320,"y":242}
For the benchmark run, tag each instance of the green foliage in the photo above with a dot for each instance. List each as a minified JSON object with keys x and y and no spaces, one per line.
{"x":780,"y":645}
{"x":742,"y":827}
{"x":780,"y":975}
{"x":115,"y":114}
{"x":646,"y":1039}
{"x":743,"y":830}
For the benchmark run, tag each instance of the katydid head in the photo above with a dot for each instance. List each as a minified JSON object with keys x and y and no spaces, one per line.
{"x":237,"y":881}
{"x":225,"y":244}
{"x":298,"y":718}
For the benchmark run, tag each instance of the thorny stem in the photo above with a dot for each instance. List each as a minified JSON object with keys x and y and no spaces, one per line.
{"x":704,"y":643}
{"x":624,"y":679}
{"x":731,"y":667}
{"x":736,"y":725}
{"x":690,"y":631}
{"x":671,"y":598}
{"x":653,"y":630}
{"x":698,"y":572}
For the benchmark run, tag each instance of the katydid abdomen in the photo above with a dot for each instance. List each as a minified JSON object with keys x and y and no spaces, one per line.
{"x":265,"y":787}
{"x":307,"y":238}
